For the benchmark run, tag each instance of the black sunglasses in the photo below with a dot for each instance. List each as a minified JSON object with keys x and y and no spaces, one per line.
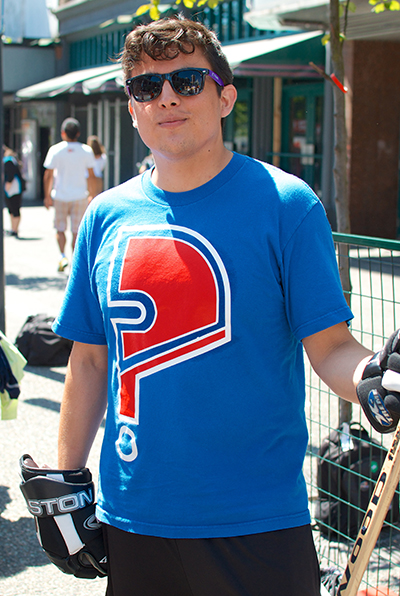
{"x":186,"y":81}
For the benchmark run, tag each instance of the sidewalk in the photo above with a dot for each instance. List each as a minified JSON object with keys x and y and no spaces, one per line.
{"x":33,"y":286}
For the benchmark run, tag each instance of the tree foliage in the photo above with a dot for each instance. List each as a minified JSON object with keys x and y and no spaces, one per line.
{"x":379,"y":6}
{"x":153,"y":7}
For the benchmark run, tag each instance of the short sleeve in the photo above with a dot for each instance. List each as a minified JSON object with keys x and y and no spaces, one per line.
{"x":313,"y":292}
{"x":80,"y":318}
{"x":49,"y":160}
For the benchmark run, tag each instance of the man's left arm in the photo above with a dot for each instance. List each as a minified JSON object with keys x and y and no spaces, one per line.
{"x":338,"y":359}
{"x":358,"y":375}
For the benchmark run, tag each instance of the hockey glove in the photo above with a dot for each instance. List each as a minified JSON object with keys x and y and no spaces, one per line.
{"x":379,"y":388}
{"x":62,"y":502}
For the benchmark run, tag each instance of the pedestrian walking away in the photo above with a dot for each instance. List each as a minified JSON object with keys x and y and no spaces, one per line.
{"x":101,"y":160}
{"x":195,"y":287}
{"x":14,"y":185}
{"x":69,"y":183}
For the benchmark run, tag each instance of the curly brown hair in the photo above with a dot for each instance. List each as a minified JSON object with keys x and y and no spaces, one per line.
{"x":166,"y":38}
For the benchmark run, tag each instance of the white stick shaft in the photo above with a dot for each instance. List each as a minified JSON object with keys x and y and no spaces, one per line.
{"x":371,"y":526}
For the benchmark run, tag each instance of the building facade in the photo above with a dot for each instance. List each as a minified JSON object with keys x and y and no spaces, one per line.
{"x":372,"y":77}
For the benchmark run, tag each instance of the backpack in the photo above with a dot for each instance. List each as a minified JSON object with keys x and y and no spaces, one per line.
{"x":40,"y":345}
{"x":348,"y":466}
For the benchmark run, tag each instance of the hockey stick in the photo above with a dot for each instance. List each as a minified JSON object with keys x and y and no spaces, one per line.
{"x":372,"y":523}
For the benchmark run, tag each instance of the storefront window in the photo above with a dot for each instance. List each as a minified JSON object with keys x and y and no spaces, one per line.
{"x":302,"y":114}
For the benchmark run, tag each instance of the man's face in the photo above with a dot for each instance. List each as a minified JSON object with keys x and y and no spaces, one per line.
{"x":178,"y":127}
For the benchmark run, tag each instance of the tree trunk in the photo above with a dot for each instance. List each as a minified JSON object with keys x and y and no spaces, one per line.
{"x":340,"y":170}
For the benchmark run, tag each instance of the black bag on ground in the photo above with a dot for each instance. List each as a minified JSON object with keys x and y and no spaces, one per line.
{"x":348,"y":467}
{"x":40,"y":345}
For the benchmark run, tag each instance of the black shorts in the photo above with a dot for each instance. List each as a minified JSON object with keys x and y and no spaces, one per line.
{"x":14,"y":204}
{"x":282,"y":563}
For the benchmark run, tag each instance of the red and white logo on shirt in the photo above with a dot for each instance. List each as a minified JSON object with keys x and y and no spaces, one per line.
{"x":170,"y":293}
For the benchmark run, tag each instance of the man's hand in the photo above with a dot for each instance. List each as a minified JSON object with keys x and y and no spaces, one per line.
{"x":48,"y":202}
{"x":379,"y":388}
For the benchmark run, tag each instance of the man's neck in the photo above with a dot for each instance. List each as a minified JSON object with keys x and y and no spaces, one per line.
{"x":189,"y":173}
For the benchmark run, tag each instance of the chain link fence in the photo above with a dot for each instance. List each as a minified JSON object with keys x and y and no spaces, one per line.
{"x":339,"y":492}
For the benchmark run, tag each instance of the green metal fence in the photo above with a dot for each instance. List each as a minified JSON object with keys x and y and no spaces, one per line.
{"x":374,"y":271}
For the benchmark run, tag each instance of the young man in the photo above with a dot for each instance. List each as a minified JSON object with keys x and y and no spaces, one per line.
{"x":66,"y":185}
{"x":193,"y":290}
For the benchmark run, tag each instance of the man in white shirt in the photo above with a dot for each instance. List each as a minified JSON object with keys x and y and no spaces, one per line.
{"x":68,"y":182}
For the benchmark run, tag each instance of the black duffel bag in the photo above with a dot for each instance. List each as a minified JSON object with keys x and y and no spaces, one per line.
{"x":40,"y":345}
{"x":348,"y":466}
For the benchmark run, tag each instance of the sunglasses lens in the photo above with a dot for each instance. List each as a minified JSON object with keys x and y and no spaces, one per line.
{"x":188,"y":82}
{"x":146,"y":88}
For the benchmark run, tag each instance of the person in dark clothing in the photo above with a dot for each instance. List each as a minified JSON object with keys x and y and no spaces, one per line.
{"x":13,"y":188}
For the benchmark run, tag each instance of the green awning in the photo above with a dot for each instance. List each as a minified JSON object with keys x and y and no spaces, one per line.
{"x":106,"y":81}
{"x":68,"y":83}
{"x":238,"y":53}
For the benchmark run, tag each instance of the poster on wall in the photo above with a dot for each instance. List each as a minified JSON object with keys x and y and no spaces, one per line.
{"x":29,"y":144}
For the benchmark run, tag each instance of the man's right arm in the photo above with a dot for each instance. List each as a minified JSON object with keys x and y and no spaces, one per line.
{"x":83,"y":405}
{"x":47,"y":186}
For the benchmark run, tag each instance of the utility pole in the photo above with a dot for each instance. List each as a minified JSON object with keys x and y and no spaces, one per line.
{"x":2,"y":275}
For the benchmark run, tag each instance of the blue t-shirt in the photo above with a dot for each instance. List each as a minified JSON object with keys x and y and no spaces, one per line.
{"x":203,"y":298}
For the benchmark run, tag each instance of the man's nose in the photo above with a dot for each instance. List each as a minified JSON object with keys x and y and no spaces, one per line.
{"x":168,"y":97}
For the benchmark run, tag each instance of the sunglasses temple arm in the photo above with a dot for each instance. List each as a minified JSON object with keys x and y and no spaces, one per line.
{"x":216,"y":78}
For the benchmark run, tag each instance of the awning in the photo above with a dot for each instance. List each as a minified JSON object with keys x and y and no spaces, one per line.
{"x":110,"y":77}
{"x":68,"y":83}
{"x":238,"y":53}
{"x":106,"y":81}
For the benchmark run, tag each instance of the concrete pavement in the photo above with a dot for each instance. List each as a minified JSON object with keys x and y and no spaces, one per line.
{"x":33,"y":286}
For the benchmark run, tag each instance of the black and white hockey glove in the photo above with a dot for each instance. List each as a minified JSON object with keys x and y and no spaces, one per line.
{"x":379,"y":388}
{"x":62,"y":502}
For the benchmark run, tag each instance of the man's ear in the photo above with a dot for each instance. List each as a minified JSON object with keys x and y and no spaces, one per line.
{"x":228,"y":99}
{"x":132,"y":113}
